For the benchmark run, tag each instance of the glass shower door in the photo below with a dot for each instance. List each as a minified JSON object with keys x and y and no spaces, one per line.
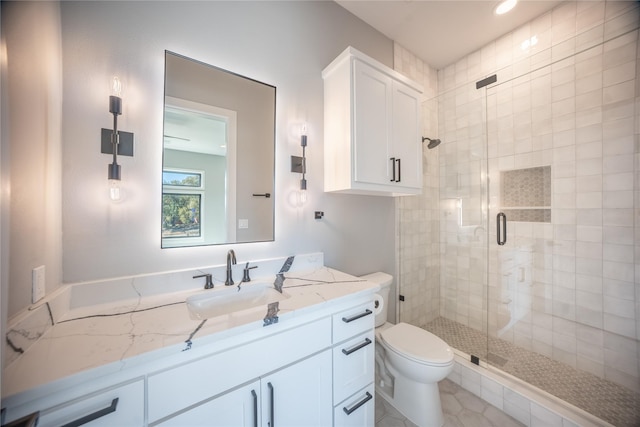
{"x":520,"y":241}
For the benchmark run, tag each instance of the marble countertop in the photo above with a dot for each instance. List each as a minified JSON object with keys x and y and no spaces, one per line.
{"x":101,"y":339}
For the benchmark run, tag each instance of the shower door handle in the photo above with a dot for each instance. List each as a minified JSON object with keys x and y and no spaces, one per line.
{"x":501,"y":223}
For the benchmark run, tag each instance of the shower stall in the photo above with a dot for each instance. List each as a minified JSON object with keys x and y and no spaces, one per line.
{"x":524,"y":249}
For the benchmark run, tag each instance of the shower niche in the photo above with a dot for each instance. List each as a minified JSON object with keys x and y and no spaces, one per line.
{"x":525,"y":194}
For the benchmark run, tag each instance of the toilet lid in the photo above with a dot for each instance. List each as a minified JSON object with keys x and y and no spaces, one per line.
{"x":417,"y":344}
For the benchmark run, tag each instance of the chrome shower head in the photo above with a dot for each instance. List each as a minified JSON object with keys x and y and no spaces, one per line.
{"x":433,"y":143}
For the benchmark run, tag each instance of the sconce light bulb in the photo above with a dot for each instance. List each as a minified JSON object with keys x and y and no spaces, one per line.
{"x":114,"y":189}
{"x":303,"y":130}
{"x":116,"y":87}
{"x":303,"y":197}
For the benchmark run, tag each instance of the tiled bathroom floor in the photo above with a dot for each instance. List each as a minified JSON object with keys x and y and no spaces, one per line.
{"x":460,"y":407}
{"x":604,"y":399}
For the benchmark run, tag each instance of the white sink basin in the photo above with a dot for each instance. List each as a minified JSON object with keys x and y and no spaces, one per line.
{"x":219,"y":302}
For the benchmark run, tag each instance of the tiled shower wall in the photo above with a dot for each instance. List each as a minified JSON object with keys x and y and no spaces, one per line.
{"x":569,"y":289}
{"x":418,"y":226}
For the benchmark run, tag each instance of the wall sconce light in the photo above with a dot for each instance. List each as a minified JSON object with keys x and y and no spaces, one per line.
{"x":299,"y":165}
{"x":116,"y":142}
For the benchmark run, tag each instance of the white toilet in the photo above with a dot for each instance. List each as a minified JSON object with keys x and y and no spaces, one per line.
{"x":409,"y":363}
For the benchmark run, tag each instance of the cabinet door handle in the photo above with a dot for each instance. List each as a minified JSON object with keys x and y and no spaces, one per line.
{"x":399,"y":171}
{"x":94,"y":416}
{"x":255,"y":408}
{"x":367,"y":398}
{"x":501,"y":219}
{"x":393,"y":166}
{"x":271,"y":405}
{"x":366,"y":342}
{"x":357,"y":316}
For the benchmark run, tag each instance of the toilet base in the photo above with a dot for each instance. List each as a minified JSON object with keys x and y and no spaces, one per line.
{"x":426,"y":413}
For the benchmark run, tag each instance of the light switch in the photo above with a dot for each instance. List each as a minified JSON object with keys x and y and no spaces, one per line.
{"x":243,"y":223}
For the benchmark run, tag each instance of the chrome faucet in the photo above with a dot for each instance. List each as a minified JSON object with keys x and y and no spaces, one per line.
{"x":231,"y":260}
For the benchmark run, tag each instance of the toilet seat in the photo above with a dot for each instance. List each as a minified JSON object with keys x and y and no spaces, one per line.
{"x":417,"y":345}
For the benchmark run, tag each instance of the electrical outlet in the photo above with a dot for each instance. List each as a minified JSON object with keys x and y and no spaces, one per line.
{"x":37,"y":284}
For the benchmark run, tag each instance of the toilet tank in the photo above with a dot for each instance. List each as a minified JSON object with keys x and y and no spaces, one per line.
{"x":384,"y":280}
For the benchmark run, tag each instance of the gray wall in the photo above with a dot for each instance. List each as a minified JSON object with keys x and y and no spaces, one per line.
{"x":286,"y":44}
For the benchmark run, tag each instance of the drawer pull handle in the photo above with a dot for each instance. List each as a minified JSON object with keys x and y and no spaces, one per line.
{"x":367,"y":398}
{"x":366,"y":342}
{"x":255,"y":408}
{"x":357,"y":316}
{"x":92,"y":417}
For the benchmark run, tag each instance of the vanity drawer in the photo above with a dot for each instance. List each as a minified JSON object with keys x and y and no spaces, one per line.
{"x":357,"y":411}
{"x":353,"y":365}
{"x":353,"y":321}
{"x":120,"y":406}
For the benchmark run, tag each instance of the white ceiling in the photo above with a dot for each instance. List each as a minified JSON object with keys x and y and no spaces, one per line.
{"x":441,"y":32}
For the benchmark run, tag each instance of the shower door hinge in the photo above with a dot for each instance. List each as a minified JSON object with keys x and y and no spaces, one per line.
{"x":401,"y":297}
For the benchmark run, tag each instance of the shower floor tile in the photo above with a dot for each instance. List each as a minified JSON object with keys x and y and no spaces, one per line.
{"x":460,"y":408}
{"x":604,"y":399}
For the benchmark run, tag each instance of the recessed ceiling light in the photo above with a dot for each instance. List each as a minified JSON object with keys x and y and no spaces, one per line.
{"x":505,"y":6}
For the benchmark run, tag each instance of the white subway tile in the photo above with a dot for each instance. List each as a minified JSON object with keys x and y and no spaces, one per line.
{"x":543,"y":417}
{"x":589,"y":166}
{"x":617,"y":164}
{"x":589,"y":283}
{"x":618,"y":235}
{"x":618,"y":271}
{"x":589,"y":250}
{"x":619,"y":325}
{"x":617,"y":199}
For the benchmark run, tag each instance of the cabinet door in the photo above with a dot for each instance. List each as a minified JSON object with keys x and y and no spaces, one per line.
{"x":300,"y":395}
{"x":372,"y":125}
{"x":406,"y":140}
{"x":237,"y":408}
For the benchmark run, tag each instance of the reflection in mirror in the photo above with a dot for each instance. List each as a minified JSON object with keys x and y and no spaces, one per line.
{"x":218,"y":152}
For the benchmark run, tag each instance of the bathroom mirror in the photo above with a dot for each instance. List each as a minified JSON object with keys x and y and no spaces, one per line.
{"x":218,"y":156}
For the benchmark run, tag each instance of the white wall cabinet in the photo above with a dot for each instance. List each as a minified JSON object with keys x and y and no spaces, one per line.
{"x":372,"y":128}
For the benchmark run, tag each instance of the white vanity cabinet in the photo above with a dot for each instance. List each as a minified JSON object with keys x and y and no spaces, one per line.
{"x":371,"y":128}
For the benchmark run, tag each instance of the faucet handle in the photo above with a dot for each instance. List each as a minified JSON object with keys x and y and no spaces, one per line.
{"x":208,"y":283}
{"x":246,"y":277}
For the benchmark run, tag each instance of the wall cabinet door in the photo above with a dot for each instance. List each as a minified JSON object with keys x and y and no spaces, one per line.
{"x":372,"y":128}
{"x":300,"y":395}
{"x":406,"y":138}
